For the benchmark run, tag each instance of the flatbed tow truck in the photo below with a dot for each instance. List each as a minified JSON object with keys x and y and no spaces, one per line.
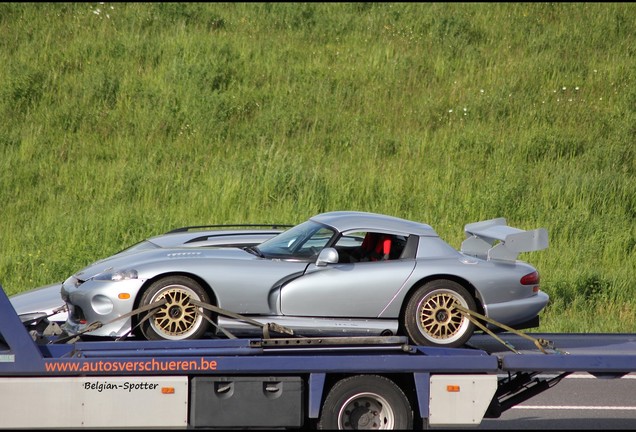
{"x":358,"y":382}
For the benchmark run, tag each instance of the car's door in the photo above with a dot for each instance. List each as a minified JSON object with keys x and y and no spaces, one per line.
{"x":345,"y":290}
{"x":354,"y":289}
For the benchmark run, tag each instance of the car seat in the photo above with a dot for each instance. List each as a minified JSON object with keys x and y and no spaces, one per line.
{"x":376,"y":247}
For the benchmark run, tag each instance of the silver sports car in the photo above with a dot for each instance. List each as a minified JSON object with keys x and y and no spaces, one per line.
{"x":338,"y":273}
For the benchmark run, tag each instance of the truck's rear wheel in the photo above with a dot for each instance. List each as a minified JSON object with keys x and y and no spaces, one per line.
{"x":178,"y":319}
{"x":366,"y":402}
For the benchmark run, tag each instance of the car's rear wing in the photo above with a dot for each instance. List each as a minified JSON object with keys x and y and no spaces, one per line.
{"x":494,"y":239}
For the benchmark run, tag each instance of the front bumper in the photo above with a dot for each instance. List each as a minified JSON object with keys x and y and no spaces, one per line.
{"x":99,"y":301}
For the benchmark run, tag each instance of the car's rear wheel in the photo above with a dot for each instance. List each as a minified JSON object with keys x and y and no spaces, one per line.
{"x":430,"y":317}
{"x":177,"y":319}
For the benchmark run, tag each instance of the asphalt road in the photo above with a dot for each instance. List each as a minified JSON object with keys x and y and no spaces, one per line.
{"x":579,"y":401}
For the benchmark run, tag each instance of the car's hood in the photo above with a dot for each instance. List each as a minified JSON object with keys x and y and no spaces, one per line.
{"x":140,"y":259}
{"x":44,"y":299}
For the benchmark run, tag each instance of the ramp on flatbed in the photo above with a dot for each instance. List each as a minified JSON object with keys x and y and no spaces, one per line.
{"x":597,"y":353}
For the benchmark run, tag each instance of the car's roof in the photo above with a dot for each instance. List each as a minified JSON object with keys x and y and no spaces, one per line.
{"x":352,"y":220}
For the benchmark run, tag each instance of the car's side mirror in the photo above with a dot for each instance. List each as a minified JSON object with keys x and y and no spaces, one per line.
{"x":327,"y":256}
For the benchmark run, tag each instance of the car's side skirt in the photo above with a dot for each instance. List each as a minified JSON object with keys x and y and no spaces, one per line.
{"x":311,"y":326}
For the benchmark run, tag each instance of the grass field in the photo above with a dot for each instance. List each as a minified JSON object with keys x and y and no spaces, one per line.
{"x":124,"y":120}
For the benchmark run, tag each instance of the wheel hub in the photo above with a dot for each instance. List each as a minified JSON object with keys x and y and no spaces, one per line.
{"x":363,"y":418}
{"x":175,"y":312}
{"x":438,"y":316}
{"x":178,"y":315}
{"x":365,"y":411}
{"x":442,"y":315}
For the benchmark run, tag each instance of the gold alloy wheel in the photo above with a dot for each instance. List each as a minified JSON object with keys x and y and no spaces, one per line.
{"x":438,"y":317}
{"x":178,"y":316}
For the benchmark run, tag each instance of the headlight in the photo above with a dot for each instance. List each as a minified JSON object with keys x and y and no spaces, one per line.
{"x":118,"y":275}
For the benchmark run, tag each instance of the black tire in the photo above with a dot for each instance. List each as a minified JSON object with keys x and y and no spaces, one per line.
{"x":177,"y":319}
{"x":430,"y":319}
{"x":366,"y":402}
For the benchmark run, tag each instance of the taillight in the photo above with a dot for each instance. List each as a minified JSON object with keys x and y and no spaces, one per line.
{"x":530,"y":279}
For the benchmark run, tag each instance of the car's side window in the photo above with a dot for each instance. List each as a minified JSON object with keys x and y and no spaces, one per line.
{"x":362,"y":246}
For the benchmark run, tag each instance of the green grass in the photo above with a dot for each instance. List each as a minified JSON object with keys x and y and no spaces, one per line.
{"x":124,"y":120}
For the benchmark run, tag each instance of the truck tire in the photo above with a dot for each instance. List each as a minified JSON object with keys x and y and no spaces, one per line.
{"x":366,"y":402}
{"x":430,"y":318}
{"x":177,"y":319}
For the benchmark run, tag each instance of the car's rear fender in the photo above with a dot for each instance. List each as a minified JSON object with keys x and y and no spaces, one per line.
{"x":463,"y":282}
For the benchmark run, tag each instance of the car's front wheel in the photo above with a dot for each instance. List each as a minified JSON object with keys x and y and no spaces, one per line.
{"x":177,"y":319}
{"x":431,"y":318}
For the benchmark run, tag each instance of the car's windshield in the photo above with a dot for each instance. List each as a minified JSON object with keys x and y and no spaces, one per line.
{"x":304,"y":241}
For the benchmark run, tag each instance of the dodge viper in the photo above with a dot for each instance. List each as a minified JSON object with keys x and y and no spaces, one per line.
{"x":337,"y":273}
